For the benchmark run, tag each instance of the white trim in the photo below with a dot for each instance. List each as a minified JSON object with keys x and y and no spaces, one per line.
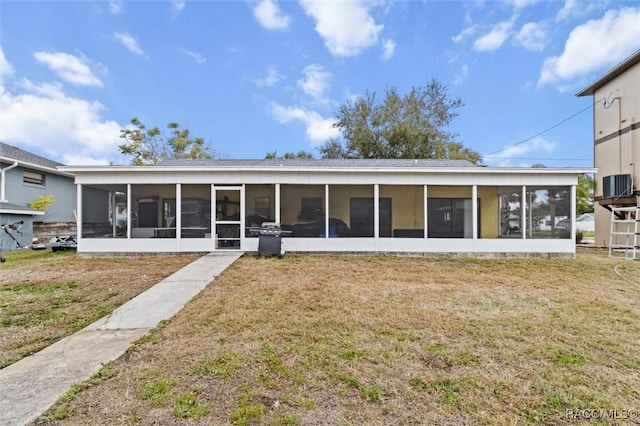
{"x":426,"y":206}
{"x":573,"y":213}
{"x":331,"y":170}
{"x":463,"y":246}
{"x":79,"y":219}
{"x":277,"y":201}
{"x":376,"y":211}
{"x":326,"y":211}
{"x":129,"y":203}
{"x":23,"y":212}
{"x":474,"y":211}
{"x":178,"y":211}
{"x":56,"y":171}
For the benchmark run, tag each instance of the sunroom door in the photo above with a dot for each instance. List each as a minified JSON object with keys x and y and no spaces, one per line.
{"x":227,"y":220}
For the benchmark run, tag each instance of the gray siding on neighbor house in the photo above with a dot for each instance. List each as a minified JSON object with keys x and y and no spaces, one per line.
{"x":62,"y":188}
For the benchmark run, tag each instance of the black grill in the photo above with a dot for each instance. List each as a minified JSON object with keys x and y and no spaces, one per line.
{"x":270,"y":240}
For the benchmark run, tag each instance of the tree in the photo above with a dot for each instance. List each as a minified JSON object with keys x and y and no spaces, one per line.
{"x":149,"y":146}
{"x":300,"y":155}
{"x":410,"y":126}
{"x":584,"y":194}
{"x":42,"y":202}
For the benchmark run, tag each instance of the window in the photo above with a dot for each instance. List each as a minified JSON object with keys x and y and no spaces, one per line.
{"x":33,"y":178}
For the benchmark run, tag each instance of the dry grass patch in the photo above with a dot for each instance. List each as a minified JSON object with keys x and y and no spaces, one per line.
{"x":45,"y":296}
{"x":377,"y":340}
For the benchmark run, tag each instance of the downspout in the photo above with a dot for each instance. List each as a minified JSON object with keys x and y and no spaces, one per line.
{"x":2,"y":181}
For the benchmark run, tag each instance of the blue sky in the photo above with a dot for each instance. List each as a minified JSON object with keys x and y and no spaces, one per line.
{"x":253,"y":77}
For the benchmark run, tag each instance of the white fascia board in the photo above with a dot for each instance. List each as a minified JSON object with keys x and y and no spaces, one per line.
{"x":298,"y":169}
{"x":32,"y":166}
{"x":346,"y":176}
{"x":22,"y":212}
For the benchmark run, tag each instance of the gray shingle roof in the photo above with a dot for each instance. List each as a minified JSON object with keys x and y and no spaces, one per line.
{"x":319,"y":163}
{"x":17,"y":154}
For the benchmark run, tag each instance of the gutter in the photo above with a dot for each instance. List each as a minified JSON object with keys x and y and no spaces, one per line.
{"x":37,"y":167}
{"x":2,"y":180}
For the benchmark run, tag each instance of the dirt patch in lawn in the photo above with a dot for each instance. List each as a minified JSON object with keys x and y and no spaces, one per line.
{"x":377,"y":340}
{"x":46,"y":296}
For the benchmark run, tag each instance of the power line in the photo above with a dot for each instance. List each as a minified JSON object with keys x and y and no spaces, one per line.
{"x":544,"y":131}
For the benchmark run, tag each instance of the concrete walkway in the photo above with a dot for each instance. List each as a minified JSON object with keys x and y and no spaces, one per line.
{"x":30,"y":386}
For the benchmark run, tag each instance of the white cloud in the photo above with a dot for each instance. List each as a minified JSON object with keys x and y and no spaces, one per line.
{"x":388,"y":49}
{"x":318,"y":130}
{"x":505,"y":157}
{"x":461,"y":76}
{"x":520,"y":4}
{"x":115,"y":6}
{"x":567,"y":10}
{"x":129,"y":42}
{"x":268,"y":14}
{"x":532,"y":36}
{"x":69,"y":68}
{"x":495,"y":38}
{"x":615,"y":35}
{"x":467,"y":32}
{"x":316,"y":80}
{"x":69,"y":127}
{"x":576,"y":9}
{"x":272,"y":77}
{"x":178,"y":5}
{"x":5,"y":67}
{"x":195,"y":55}
{"x":345,"y":26}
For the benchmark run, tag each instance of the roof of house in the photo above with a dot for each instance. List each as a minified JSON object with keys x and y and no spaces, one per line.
{"x":586,"y":217}
{"x":10,"y":153}
{"x":10,"y":208}
{"x":342,"y":163}
{"x":611,"y":74}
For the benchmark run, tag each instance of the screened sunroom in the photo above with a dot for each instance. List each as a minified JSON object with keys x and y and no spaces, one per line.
{"x":411,"y":206}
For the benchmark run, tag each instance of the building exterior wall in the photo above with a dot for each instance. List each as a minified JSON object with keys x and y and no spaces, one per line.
{"x":62,"y":188}
{"x":616,"y":137}
{"x":287,"y":187}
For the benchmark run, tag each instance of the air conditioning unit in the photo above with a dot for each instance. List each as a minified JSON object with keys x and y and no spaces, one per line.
{"x":615,"y":186}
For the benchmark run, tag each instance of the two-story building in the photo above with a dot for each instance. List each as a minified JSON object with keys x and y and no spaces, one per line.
{"x":24,"y":178}
{"x":616,"y":135}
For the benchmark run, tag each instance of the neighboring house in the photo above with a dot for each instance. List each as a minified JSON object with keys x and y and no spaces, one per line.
{"x":586,"y":222}
{"x":561,"y":222}
{"x":616,"y":135}
{"x":28,"y":176}
{"x":415,"y":206}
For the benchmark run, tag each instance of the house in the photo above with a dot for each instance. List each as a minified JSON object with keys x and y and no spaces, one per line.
{"x":24,"y":178}
{"x":415,"y":206}
{"x":27,"y":176}
{"x":586,"y":222}
{"x":616,"y":135}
